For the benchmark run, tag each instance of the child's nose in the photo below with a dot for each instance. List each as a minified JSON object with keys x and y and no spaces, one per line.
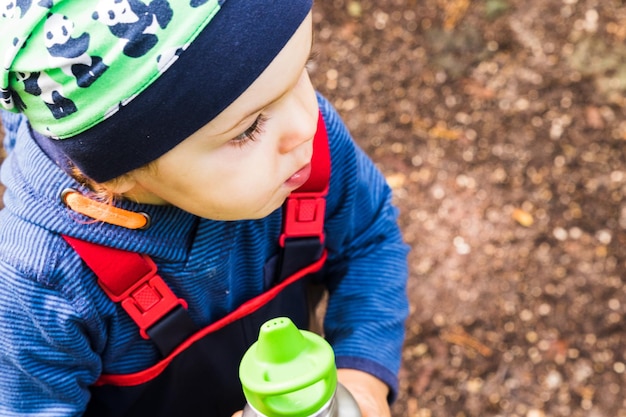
{"x":300,"y":113}
{"x":299,"y":127}
{"x":300,"y":131}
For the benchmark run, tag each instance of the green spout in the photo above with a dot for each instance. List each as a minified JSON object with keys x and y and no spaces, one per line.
{"x":288,"y":372}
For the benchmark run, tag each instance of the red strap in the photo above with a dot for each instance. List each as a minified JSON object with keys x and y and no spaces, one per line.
{"x":129,"y":278}
{"x":305,"y":207}
{"x":320,"y":164}
{"x":245,"y":309}
{"x":132,"y":279}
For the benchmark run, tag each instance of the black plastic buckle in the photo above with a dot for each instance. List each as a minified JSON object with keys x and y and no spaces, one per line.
{"x":298,"y":253}
{"x":172,"y":330}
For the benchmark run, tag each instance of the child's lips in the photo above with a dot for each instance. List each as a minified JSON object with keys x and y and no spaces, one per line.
{"x":300,"y":177}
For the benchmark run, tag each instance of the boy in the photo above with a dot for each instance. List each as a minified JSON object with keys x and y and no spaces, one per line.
{"x":197,"y":119}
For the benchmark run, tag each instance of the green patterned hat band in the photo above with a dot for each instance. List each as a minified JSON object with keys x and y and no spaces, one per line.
{"x":61,"y":57}
{"x":110,"y":85}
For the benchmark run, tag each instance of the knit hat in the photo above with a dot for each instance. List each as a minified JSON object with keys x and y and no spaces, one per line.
{"x":111,"y":85}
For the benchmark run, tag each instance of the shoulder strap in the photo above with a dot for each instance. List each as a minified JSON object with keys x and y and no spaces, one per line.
{"x":302,"y":238}
{"x":131,"y":279}
{"x":320,"y":173}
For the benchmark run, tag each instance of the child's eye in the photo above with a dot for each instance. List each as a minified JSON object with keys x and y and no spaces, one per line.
{"x":250,"y":135}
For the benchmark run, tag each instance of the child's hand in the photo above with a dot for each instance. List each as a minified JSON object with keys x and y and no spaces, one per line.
{"x":368,"y":391}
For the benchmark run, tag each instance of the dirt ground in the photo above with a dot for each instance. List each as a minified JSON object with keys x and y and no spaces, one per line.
{"x":500,"y":126}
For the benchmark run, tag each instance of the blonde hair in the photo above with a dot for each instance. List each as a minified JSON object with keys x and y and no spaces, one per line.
{"x":103,"y":191}
{"x":99,"y":191}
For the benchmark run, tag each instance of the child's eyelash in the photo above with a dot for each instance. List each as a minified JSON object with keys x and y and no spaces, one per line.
{"x":250,"y":135}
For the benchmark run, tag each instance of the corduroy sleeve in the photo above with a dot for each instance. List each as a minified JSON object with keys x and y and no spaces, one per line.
{"x":367,"y":267}
{"x":46,"y":358}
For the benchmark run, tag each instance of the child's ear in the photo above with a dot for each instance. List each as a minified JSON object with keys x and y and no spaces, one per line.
{"x":120,"y":185}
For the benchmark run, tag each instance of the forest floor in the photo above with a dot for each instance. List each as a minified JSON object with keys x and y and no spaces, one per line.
{"x":500,"y":125}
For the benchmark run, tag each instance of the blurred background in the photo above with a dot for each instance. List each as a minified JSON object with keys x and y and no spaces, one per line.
{"x":500,"y":125}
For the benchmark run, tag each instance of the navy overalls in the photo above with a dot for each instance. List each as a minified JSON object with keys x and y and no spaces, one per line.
{"x":198,"y":374}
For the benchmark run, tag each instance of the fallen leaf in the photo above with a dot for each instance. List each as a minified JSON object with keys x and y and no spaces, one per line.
{"x":454,"y":11}
{"x":594,"y":118}
{"x":440,"y":131}
{"x":477,"y":90}
{"x":523,"y":217}
{"x":396,"y":181}
{"x":458,"y":336}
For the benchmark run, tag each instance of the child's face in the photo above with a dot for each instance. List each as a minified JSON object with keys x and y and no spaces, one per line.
{"x":245,"y":162}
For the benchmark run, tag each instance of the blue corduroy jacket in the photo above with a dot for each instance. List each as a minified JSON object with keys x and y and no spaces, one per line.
{"x":60,"y":332}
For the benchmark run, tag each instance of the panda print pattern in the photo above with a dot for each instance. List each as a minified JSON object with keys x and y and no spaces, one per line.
{"x":85,"y":51}
{"x":14,"y":8}
{"x":134,"y":22}
{"x":68,"y":53}
{"x":52,"y":95}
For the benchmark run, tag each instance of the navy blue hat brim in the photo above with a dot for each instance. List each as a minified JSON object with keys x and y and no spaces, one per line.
{"x":219,"y":65}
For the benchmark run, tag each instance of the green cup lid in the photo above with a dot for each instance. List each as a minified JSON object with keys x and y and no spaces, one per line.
{"x":288,"y":372}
